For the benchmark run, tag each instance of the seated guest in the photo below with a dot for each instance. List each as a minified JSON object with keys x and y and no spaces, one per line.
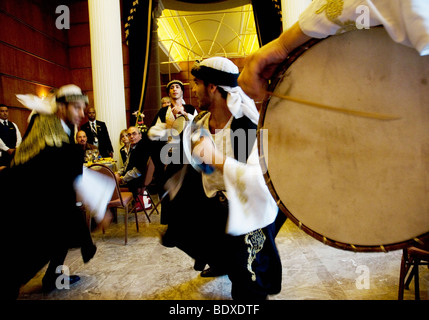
{"x":125,"y":142}
{"x":131,"y":174}
{"x":82,"y":141}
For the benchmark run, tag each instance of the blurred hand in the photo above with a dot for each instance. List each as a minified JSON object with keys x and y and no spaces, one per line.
{"x":205,"y":150}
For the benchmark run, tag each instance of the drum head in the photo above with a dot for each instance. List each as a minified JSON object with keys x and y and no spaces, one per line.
{"x":179,"y":125}
{"x":354,"y":183}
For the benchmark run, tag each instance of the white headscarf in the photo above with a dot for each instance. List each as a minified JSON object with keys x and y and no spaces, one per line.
{"x":238,"y":102}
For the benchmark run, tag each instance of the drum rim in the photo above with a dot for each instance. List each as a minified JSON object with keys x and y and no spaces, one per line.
{"x":293,"y":56}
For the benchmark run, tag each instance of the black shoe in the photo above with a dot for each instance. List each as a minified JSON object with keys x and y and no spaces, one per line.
{"x":199,"y":265}
{"x":212,"y":272}
{"x":88,"y":252}
{"x":73,"y":278}
{"x":50,"y":285}
{"x":168,"y":240}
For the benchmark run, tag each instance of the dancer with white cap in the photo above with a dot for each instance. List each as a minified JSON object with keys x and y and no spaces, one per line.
{"x":44,"y":173}
{"x":164,"y":131}
{"x":235,"y":220}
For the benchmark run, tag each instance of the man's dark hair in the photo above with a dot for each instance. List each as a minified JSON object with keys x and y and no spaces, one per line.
{"x":222,"y":92}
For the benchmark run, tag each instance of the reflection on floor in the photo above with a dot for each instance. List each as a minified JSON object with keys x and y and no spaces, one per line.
{"x":145,"y":270}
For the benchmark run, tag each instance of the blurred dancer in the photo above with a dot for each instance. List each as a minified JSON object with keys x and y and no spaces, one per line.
{"x":43,"y":173}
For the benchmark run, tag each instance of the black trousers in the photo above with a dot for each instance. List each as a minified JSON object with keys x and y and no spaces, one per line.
{"x":29,"y":252}
{"x":255,"y":268}
{"x":197,"y":225}
{"x":56,"y":260}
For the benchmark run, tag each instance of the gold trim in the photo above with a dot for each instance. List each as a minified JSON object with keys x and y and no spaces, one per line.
{"x":46,"y":131}
{"x":255,"y":241}
{"x":241,"y":186}
{"x":333,"y":10}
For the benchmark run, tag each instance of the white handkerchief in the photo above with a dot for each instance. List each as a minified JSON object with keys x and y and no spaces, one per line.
{"x":95,"y":191}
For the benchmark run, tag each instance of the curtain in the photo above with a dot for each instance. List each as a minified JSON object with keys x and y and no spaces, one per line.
{"x":138,"y":33}
{"x":268,"y":19}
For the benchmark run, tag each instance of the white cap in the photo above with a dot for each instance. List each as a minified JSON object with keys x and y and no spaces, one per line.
{"x":70,"y":93}
{"x":224,"y":73}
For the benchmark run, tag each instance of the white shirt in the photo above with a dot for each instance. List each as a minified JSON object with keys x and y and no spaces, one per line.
{"x":213,"y":183}
{"x":93,"y":125}
{"x":406,"y":21}
{"x":250,"y":203}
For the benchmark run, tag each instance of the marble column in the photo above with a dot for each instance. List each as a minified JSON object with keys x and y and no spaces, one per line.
{"x":107,"y":67}
{"x":291,"y":9}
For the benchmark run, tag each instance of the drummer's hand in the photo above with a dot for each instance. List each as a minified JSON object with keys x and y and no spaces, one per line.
{"x":177,"y":110}
{"x":181,"y":112}
{"x":259,"y":68}
{"x":261,"y":65}
{"x":206,"y":151}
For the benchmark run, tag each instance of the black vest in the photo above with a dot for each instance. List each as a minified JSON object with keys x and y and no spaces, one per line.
{"x":162,"y":113}
{"x":8,"y":135}
{"x":239,"y":127}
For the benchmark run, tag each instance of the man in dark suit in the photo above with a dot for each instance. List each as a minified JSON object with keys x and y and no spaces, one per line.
{"x":132,"y":173}
{"x":97,"y":134}
{"x":10,"y":137}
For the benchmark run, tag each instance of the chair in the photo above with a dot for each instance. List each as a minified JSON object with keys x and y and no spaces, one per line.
{"x":120,"y":199}
{"x":412,"y":258}
{"x":150,"y":169}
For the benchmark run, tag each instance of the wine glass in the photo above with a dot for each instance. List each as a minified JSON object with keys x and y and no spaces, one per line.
{"x":88,"y":156}
{"x":95,"y":154}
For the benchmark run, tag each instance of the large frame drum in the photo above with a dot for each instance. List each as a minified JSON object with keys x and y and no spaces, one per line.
{"x":354,"y":183}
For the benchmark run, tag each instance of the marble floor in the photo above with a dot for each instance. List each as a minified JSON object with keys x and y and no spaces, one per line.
{"x":145,"y":270}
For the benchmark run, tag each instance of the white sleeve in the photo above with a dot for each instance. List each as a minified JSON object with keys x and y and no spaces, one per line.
{"x":251,"y":205}
{"x":158,"y":131}
{"x":3,"y":146}
{"x":406,"y":21}
{"x":324,"y":18}
{"x":134,"y":173}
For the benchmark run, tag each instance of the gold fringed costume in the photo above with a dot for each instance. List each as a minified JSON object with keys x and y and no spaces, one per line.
{"x":46,"y":130}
